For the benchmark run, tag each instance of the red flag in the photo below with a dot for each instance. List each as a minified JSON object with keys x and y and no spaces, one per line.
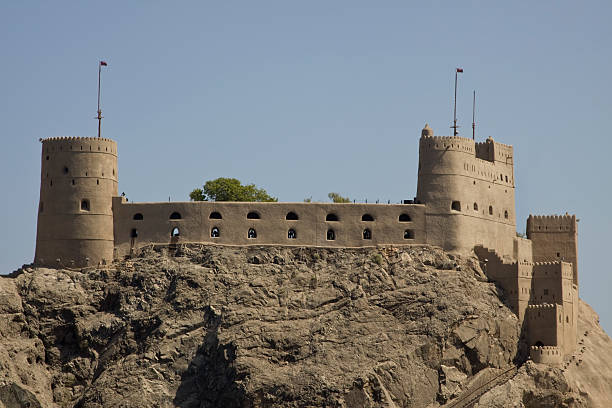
{"x":458,"y":69}
{"x":103,"y":63}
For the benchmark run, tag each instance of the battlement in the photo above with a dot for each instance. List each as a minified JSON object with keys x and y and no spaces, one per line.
{"x":551,"y":355}
{"x":74,"y":138}
{"x":551,"y":223}
{"x":79,"y":144}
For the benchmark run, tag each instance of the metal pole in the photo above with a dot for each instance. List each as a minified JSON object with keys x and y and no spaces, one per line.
{"x":455,"y":109}
{"x":99,"y":111}
{"x":474,"y":117}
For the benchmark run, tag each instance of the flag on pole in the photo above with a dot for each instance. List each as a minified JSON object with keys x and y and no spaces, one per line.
{"x":458,"y":69}
{"x":103,"y":63}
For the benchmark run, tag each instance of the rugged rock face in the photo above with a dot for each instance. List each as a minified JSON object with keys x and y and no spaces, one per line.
{"x":270,"y":327}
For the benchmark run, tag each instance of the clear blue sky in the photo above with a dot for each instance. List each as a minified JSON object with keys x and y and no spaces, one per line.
{"x":304,"y":98}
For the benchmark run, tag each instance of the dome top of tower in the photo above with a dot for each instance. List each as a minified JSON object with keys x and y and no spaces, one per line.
{"x":427,"y":131}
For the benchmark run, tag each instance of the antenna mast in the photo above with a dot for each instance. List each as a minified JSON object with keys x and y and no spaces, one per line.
{"x":99,"y":117}
{"x":474,"y":117}
{"x":454,"y":127}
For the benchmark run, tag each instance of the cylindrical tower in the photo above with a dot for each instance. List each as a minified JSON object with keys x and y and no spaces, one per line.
{"x":75,"y":217}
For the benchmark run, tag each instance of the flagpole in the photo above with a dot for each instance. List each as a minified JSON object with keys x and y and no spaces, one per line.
{"x":474,"y":117}
{"x":99,"y":111}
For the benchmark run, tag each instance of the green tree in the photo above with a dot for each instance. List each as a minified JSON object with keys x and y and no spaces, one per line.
{"x":337,"y":198}
{"x":229,"y":189}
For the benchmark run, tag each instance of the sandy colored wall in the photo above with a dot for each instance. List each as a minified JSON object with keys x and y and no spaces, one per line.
{"x":541,"y":323}
{"x":72,"y":170}
{"x":554,"y":238}
{"x":450,"y":171}
{"x":311,"y":228}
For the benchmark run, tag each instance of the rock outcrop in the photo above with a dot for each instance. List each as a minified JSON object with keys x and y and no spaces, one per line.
{"x":209,"y":326}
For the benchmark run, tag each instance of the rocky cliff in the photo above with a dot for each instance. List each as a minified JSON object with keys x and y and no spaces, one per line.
{"x":208,"y":326}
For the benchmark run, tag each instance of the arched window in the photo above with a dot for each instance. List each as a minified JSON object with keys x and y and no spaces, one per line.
{"x":367,"y":217}
{"x":409,"y":234}
{"x":66,"y":170}
{"x":175,"y":232}
{"x":215,"y":215}
{"x":253,"y":216}
{"x":506,"y":214}
{"x":138,"y":217}
{"x":331,"y":235}
{"x":404,"y":218}
{"x":215,"y":233}
{"x":332,"y":217}
{"x":456,"y":206}
{"x":490,"y":210}
{"x":175,"y":216}
{"x":291,"y":216}
{"x":84,"y":205}
{"x":291,"y":234}
{"x":367,"y":234}
{"x":134,"y":233}
{"x":475,"y":207}
{"x":252,"y":233}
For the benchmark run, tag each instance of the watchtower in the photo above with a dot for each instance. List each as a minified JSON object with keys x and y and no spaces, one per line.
{"x":75,"y":218}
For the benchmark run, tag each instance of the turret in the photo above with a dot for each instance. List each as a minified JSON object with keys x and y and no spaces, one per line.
{"x":75,"y":218}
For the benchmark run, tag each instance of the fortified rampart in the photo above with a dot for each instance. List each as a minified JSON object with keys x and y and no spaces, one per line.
{"x":464,"y":203}
{"x":550,"y":355}
{"x":75,"y":217}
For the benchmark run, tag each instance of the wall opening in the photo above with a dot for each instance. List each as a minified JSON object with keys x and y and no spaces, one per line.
{"x":404,"y":218}
{"x":367,"y":217}
{"x":490,"y":210}
{"x":138,"y":217}
{"x":98,"y":182}
{"x":65,"y":170}
{"x":291,"y":234}
{"x":331,"y":235}
{"x":73,"y":183}
{"x":475,"y":207}
{"x":253,"y":216}
{"x":367,"y":234}
{"x":456,"y":206}
{"x":175,"y":232}
{"x":506,"y":214}
{"x":134,"y":233}
{"x":175,"y":216}
{"x":84,"y":205}
{"x":40,"y":207}
{"x":409,"y":234}
{"x":47,"y":157}
{"x":291,"y":216}
{"x":252,"y":233}
{"x":332,"y":217}
{"x":215,"y":233}
{"x":215,"y":215}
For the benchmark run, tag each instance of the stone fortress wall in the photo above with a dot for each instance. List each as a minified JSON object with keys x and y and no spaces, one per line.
{"x":75,"y":218}
{"x":464,"y":204}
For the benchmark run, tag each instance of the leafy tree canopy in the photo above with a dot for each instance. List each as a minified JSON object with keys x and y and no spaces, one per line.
{"x":337,"y":198}
{"x":229,"y":189}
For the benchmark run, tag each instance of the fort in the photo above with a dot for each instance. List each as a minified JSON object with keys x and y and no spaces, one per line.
{"x":464,"y":203}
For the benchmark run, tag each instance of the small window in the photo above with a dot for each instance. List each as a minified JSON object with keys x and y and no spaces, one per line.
{"x":215,"y":215}
{"x":73,"y":183}
{"x":98,"y":182}
{"x":506,"y":214}
{"x":367,"y":217}
{"x":40,"y":207}
{"x":546,"y":291}
{"x":367,"y":234}
{"x":490,"y":210}
{"x":253,"y":216}
{"x":456,"y":206}
{"x":138,"y":217}
{"x":175,"y":232}
{"x":558,"y":254}
{"x":567,"y":319}
{"x":405,"y":218}
{"x":65,"y":170}
{"x":47,"y":157}
{"x":506,"y":179}
{"x":252,"y":233}
{"x":331,"y":217}
{"x":291,"y":216}
{"x":291,"y":234}
{"x":84,"y":205}
{"x":409,"y":234}
{"x":331,"y":235}
{"x":475,"y":207}
{"x":215,"y":233}
{"x":175,"y":216}
{"x":134,"y":233}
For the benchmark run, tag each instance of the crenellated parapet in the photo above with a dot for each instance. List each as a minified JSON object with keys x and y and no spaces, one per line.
{"x":551,"y":223}
{"x":550,"y":355}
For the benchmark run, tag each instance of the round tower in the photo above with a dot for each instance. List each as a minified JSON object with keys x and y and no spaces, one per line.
{"x":75,"y":217}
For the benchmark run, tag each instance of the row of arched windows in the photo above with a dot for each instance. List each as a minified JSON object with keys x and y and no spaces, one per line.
{"x":215,"y":232}
{"x":456,"y":206}
{"x":290,"y":216}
